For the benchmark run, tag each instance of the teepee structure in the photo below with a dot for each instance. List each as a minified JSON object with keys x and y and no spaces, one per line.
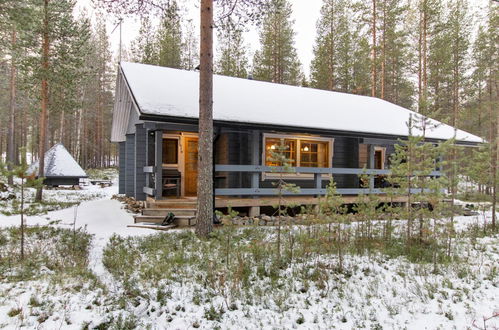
{"x":60,"y":167}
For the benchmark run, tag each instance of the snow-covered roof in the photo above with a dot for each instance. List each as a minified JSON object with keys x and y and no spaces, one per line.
{"x":59,"y":163}
{"x":171,"y":92}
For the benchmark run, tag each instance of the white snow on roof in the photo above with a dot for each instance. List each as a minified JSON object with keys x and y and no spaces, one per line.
{"x":59,"y":162}
{"x":173,"y":92}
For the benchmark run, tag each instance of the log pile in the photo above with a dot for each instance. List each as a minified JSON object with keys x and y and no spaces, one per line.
{"x":131,"y":204}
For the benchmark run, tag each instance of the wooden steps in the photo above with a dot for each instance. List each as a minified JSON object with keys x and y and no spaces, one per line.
{"x":156,"y":211}
{"x":154,"y":226}
{"x":172,"y":204}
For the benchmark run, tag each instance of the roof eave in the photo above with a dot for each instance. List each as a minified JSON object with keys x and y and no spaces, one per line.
{"x":194,"y":121}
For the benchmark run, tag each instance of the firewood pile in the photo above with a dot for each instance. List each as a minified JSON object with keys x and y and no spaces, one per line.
{"x":131,"y":204}
{"x":6,"y":193}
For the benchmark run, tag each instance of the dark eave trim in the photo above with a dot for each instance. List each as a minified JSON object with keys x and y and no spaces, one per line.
{"x":291,"y":129}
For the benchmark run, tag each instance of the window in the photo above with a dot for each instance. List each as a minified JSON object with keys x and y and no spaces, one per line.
{"x":170,"y":151}
{"x":314,"y":154}
{"x":272,"y":144}
{"x":379,"y":157}
{"x":301,"y":151}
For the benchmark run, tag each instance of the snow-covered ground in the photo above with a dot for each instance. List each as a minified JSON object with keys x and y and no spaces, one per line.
{"x":55,"y":198}
{"x":381,"y":293}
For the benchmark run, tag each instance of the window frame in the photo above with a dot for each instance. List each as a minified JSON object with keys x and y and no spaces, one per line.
{"x":179,"y":152}
{"x":299,"y":139}
{"x":383,"y":156}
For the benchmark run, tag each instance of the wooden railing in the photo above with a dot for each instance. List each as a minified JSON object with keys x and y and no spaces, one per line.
{"x":257,"y":170}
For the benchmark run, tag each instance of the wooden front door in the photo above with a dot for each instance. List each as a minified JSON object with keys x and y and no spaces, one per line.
{"x":191,"y":166}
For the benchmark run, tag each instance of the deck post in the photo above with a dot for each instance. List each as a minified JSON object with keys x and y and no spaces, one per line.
{"x":318,"y":185}
{"x":140,"y":161}
{"x":318,"y":180}
{"x":158,"y":164}
{"x":255,"y":160}
{"x":148,"y":151}
{"x":371,"y":166}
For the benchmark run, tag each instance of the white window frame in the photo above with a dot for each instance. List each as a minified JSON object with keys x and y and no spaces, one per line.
{"x":298,"y":138}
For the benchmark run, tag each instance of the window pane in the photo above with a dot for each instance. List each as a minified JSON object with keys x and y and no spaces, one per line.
{"x":273,"y":144}
{"x":314,"y":154}
{"x":378,"y":159}
{"x":170,"y":151}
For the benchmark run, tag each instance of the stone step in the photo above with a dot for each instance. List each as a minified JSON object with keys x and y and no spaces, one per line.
{"x":181,"y":220}
{"x":164,"y":211}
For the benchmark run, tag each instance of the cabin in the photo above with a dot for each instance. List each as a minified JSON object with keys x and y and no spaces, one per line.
{"x":61,"y":168}
{"x":327,"y":134}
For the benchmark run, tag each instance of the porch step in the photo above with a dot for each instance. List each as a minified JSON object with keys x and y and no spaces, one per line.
{"x":180,"y":220}
{"x":164,"y":211}
{"x":172,"y":204}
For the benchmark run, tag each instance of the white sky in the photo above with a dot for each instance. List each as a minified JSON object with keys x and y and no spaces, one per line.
{"x":305,"y":14}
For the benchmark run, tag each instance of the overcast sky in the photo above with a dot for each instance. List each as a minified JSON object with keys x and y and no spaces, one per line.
{"x":305,"y":14}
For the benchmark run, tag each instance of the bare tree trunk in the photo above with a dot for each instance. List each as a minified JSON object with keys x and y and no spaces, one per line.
{"x":373,"y":68}
{"x":204,"y":223}
{"x":44,"y":101}
{"x":22,"y":217}
{"x":494,"y":145}
{"x":11,"y":130}
{"x":425,"y":55}
{"x":383,"y":54}
{"x":61,"y":127}
{"x":420,"y":61}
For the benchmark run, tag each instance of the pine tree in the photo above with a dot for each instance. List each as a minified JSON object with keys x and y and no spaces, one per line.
{"x":394,"y":54}
{"x":332,"y":66}
{"x":232,"y":59}
{"x":458,"y":29}
{"x":14,"y":20}
{"x":57,"y":37}
{"x":144,"y":48}
{"x":277,"y":60}
{"x":429,"y":49}
{"x":190,"y":53}
{"x":169,"y":37}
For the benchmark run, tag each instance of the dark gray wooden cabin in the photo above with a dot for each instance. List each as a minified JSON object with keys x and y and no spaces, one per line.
{"x":327,"y":133}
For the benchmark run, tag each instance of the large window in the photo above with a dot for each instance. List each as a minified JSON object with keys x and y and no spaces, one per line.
{"x":300,"y":151}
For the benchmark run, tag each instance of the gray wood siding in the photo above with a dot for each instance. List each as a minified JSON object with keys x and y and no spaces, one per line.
{"x":130,"y":165}
{"x":345,"y":155}
{"x":140,"y":162}
{"x":234,"y":148}
{"x":122,"y":160}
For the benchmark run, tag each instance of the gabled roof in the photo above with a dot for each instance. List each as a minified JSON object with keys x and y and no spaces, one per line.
{"x":59,"y":163}
{"x":159,"y":91}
